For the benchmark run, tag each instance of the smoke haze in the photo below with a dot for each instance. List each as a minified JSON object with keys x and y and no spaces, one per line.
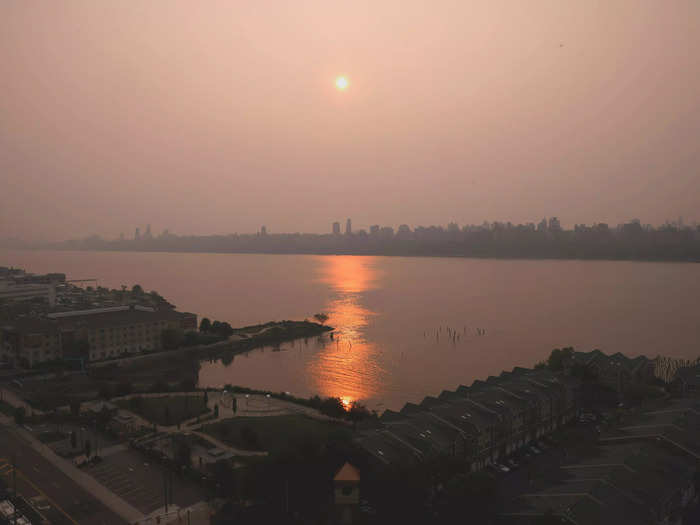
{"x":221,"y":116}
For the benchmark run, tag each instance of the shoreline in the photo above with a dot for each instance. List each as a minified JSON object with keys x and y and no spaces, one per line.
{"x":214,"y":350}
{"x":366,"y":254}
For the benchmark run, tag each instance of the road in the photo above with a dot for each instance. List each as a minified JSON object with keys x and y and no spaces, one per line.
{"x":34,"y":475}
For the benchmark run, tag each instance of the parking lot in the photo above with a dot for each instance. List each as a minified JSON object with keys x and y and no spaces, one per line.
{"x":64,"y":502}
{"x":141,"y":483}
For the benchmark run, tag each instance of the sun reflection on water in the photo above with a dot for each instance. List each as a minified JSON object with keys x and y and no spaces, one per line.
{"x":347,"y":366}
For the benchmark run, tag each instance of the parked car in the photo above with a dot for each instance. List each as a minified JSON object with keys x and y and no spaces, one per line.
{"x":40,"y":503}
{"x":502,"y":467}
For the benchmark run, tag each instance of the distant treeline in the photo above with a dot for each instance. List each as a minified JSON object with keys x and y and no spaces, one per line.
{"x":630,"y":241}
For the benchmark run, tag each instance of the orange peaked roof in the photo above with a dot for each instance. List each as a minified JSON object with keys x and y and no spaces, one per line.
{"x":347,"y":473}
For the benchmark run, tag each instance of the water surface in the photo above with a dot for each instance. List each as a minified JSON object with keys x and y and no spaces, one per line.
{"x":407,"y":327}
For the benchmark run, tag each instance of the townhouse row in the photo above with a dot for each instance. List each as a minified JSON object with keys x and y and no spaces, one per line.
{"x":478,"y":424}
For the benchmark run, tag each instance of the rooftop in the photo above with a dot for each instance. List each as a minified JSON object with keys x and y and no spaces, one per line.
{"x":347,"y":473}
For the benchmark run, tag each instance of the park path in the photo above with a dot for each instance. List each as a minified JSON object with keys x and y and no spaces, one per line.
{"x":248,"y":405}
{"x":11,"y":398}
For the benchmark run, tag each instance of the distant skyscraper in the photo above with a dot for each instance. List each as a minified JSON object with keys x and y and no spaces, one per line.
{"x":554,"y":225}
{"x":121,"y":236}
{"x":374,"y":229}
{"x":263,"y":230}
{"x":137,"y":234}
{"x":336,"y":228}
{"x":348,"y":227}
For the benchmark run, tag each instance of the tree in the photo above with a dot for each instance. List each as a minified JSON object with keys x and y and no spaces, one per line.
{"x":137,"y":290}
{"x":205,"y":325}
{"x":19,"y":415}
{"x":234,"y":404}
{"x":558,"y":358}
{"x":216,"y":411}
{"x":206,"y":397}
{"x":225,"y":329}
{"x":321,"y":317}
{"x":88,"y":449}
{"x":358,"y":412}
{"x":73,"y":440}
{"x":333,"y":407}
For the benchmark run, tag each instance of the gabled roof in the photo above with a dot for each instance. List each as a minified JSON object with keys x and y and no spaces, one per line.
{"x":347,"y":473}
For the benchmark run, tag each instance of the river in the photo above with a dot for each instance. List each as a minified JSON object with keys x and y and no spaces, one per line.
{"x":407,"y":327}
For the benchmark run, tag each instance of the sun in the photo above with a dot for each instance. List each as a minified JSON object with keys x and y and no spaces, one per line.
{"x":341,"y":83}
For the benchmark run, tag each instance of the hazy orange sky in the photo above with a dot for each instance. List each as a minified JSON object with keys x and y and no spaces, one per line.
{"x":221,"y":116}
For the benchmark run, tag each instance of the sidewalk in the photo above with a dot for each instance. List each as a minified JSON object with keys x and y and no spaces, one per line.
{"x":87,"y":482}
{"x":11,"y":398}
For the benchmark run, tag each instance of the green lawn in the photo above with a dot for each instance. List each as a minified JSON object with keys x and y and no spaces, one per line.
{"x":166,"y":410}
{"x":274,"y":433}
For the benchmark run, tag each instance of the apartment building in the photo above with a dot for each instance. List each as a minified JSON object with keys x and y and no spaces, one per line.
{"x":91,"y":335}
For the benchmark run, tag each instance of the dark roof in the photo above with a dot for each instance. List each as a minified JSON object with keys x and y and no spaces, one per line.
{"x":118,"y":318}
{"x":29,"y":325}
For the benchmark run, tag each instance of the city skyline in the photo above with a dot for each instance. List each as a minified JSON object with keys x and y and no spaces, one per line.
{"x":370,"y":227}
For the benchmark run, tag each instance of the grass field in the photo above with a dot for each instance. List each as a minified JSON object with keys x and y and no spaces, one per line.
{"x":166,"y":410}
{"x":274,"y":433}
